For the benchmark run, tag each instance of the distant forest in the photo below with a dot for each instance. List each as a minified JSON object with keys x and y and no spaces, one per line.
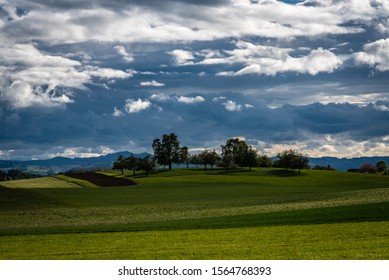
{"x":14,"y":174}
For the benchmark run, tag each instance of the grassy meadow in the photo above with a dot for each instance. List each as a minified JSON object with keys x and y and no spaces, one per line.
{"x":198,"y":214}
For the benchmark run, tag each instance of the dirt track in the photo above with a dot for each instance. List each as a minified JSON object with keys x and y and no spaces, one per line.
{"x":101,"y":179}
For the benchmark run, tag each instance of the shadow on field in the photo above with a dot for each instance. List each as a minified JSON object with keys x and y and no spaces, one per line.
{"x":284,"y":173}
{"x":101,"y":179}
{"x":340,"y":214}
{"x":372,"y":212}
{"x":16,"y":199}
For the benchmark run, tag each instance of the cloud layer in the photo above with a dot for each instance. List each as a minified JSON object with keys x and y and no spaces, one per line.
{"x":87,"y":77}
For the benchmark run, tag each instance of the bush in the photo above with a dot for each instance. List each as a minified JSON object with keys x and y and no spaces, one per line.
{"x":320,"y":167}
{"x":368,"y":168}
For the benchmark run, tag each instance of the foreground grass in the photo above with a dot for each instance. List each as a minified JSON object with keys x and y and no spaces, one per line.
{"x":346,"y":214}
{"x":196,"y":214}
{"x":368,"y":240}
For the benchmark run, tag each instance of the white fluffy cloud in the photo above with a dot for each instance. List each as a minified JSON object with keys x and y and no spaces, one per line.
{"x":117,"y":112}
{"x":324,"y":146}
{"x":127,"y":57}
{"x":232,"y":106}
{"x":31,"y":77}
{"x":267,"y":60}
{"x":81,"y":152}
{"x":135,"y":106}
{"x":161,"y":97}
{"x":375,"y":54}
{"x":262,"y":60}
{"x":51,"y":50}
{"x":190,"y":100}
{"x":106,"y":73}
{"x":179,"y":21}
{"x":26,"y":63}
{"x":21,"y":95}
{"x":152,"y":83}
{"x":182,"y":57}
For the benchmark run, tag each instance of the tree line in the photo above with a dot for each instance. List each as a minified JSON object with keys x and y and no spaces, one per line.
{"x":14,"y":174}
{"x":235,"y":153}
{"x":381,"y":167}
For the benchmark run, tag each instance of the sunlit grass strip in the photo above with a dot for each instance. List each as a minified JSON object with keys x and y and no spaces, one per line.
{"x":41,"y":183}
{"x":78,"y":182}
{"x":339,"y":214}
{"x":366,"y":240}
{"x":56,"y":217}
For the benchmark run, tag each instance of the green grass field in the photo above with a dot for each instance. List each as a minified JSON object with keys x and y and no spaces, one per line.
{"x":198,"y":214}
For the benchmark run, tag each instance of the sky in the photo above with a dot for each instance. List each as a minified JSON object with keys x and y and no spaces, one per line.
{"x":81,"y":78}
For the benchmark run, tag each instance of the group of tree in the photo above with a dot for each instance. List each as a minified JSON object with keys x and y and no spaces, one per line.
{"x":290,"y":159}
{"x":381,"y":167}
{"x":14,"y":174}
{"x":133,"y":163}
{"x":167,"y":151}
{"x":206,"y":157}
{"x":235,"y":153}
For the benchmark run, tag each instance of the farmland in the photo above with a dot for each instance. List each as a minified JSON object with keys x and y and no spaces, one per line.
{"x":198,"y":214}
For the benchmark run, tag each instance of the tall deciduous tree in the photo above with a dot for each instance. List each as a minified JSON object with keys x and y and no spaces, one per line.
{"x":233,"y":153}
{"x":264,"y":161}
{"x":185,"y":156}
{"x":132,"y":163}
{"x":195,"y":159}
{"x":292,"y":159}
{"x":208,"y":157}
{"x":167,"y":150}
{"x":250,"y":158}
{"x":382,"y":167}
{"x":147,"y":164}
{"x":120,"y":164}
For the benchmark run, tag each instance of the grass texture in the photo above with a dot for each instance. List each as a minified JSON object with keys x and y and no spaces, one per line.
{"x":198,"y":214}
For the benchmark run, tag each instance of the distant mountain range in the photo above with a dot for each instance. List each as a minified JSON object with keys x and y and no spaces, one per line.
{"x":63,"y":164}
{"x":343,"y":164}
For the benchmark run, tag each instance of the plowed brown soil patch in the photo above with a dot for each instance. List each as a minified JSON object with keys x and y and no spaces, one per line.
{"x":101,"y":179}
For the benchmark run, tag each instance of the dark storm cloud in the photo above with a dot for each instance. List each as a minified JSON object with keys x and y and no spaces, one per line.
{"x":360,"y":123}
{"x":205,"y":123}
{"x":252,"y":119}
{"x":89,"y":77}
